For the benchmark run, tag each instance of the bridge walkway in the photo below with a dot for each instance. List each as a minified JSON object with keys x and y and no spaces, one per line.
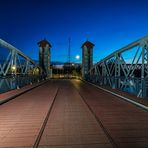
{"x":71,"y":113}
{"x":126,"y":123}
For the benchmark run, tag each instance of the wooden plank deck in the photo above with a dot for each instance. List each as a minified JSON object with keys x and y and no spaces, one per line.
{"x":81,"y":116}
{"x":71,"y":124}
{"x":21,"y":118}
{"x":125,"y":123}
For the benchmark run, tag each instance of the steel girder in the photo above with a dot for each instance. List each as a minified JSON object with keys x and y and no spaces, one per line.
{"x":118,"y":72}
{"x":16,"y":61}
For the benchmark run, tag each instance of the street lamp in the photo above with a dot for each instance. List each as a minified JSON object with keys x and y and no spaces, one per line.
{"x":77,"y":57}
{"x":13,"y":69}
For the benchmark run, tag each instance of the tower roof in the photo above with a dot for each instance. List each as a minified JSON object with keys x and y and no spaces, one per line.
{"x":43,"y":43}
{"x":87,"y":44}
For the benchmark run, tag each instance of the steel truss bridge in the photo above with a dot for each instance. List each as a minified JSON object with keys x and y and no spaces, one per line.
{"x":16,"y":67}
{"x":125,"y":69}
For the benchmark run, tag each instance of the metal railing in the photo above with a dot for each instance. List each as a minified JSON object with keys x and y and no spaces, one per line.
{"x":135,"y":86}
{"x":18,"y":81}
{"x":15,"y":62}
{"x":118,"y":71}
{"x":16,"y":69}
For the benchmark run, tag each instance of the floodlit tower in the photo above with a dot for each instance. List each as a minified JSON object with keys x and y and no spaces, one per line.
{"x":44,"y":57}
{"x":87,"y":58}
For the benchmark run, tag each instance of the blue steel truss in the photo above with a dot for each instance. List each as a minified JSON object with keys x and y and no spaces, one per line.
{"x":118,"y":71}
{"x":16,"y":61}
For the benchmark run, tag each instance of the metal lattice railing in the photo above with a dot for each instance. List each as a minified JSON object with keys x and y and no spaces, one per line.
{"x":16,"y":69}
{"x":15,"y":62}
{"x":125,"y":69}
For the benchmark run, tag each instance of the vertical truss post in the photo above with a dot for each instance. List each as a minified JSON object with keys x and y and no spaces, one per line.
{"x":104,"y":73}
{"x":117,"y":70}
{"x":146,"y":68}
{"x":146,"y":59}
{"x":142,"y":71}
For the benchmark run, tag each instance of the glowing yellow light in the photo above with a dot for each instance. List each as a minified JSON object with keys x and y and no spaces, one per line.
{"x":77,"y":57}
{"x":13,"y":67}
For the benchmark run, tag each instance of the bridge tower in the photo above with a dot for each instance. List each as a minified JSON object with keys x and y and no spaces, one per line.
{"x":87,"y":57}
{"x":44,"y":57}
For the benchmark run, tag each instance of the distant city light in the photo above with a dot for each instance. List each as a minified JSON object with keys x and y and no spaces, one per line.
{"x":77,"y":57}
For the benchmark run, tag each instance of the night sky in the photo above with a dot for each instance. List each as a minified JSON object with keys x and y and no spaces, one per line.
{"x":109,"y":24}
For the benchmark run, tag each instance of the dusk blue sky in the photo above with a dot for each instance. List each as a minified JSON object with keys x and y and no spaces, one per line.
{"x":109,"y":24}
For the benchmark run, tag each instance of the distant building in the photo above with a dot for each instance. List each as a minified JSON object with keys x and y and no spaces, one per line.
{"x":44,"y":57}
{"x":87,"y":57}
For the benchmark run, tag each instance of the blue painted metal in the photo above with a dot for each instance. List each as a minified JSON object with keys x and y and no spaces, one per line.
{"x":117,"y":71}
{"x":16,"y":69}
